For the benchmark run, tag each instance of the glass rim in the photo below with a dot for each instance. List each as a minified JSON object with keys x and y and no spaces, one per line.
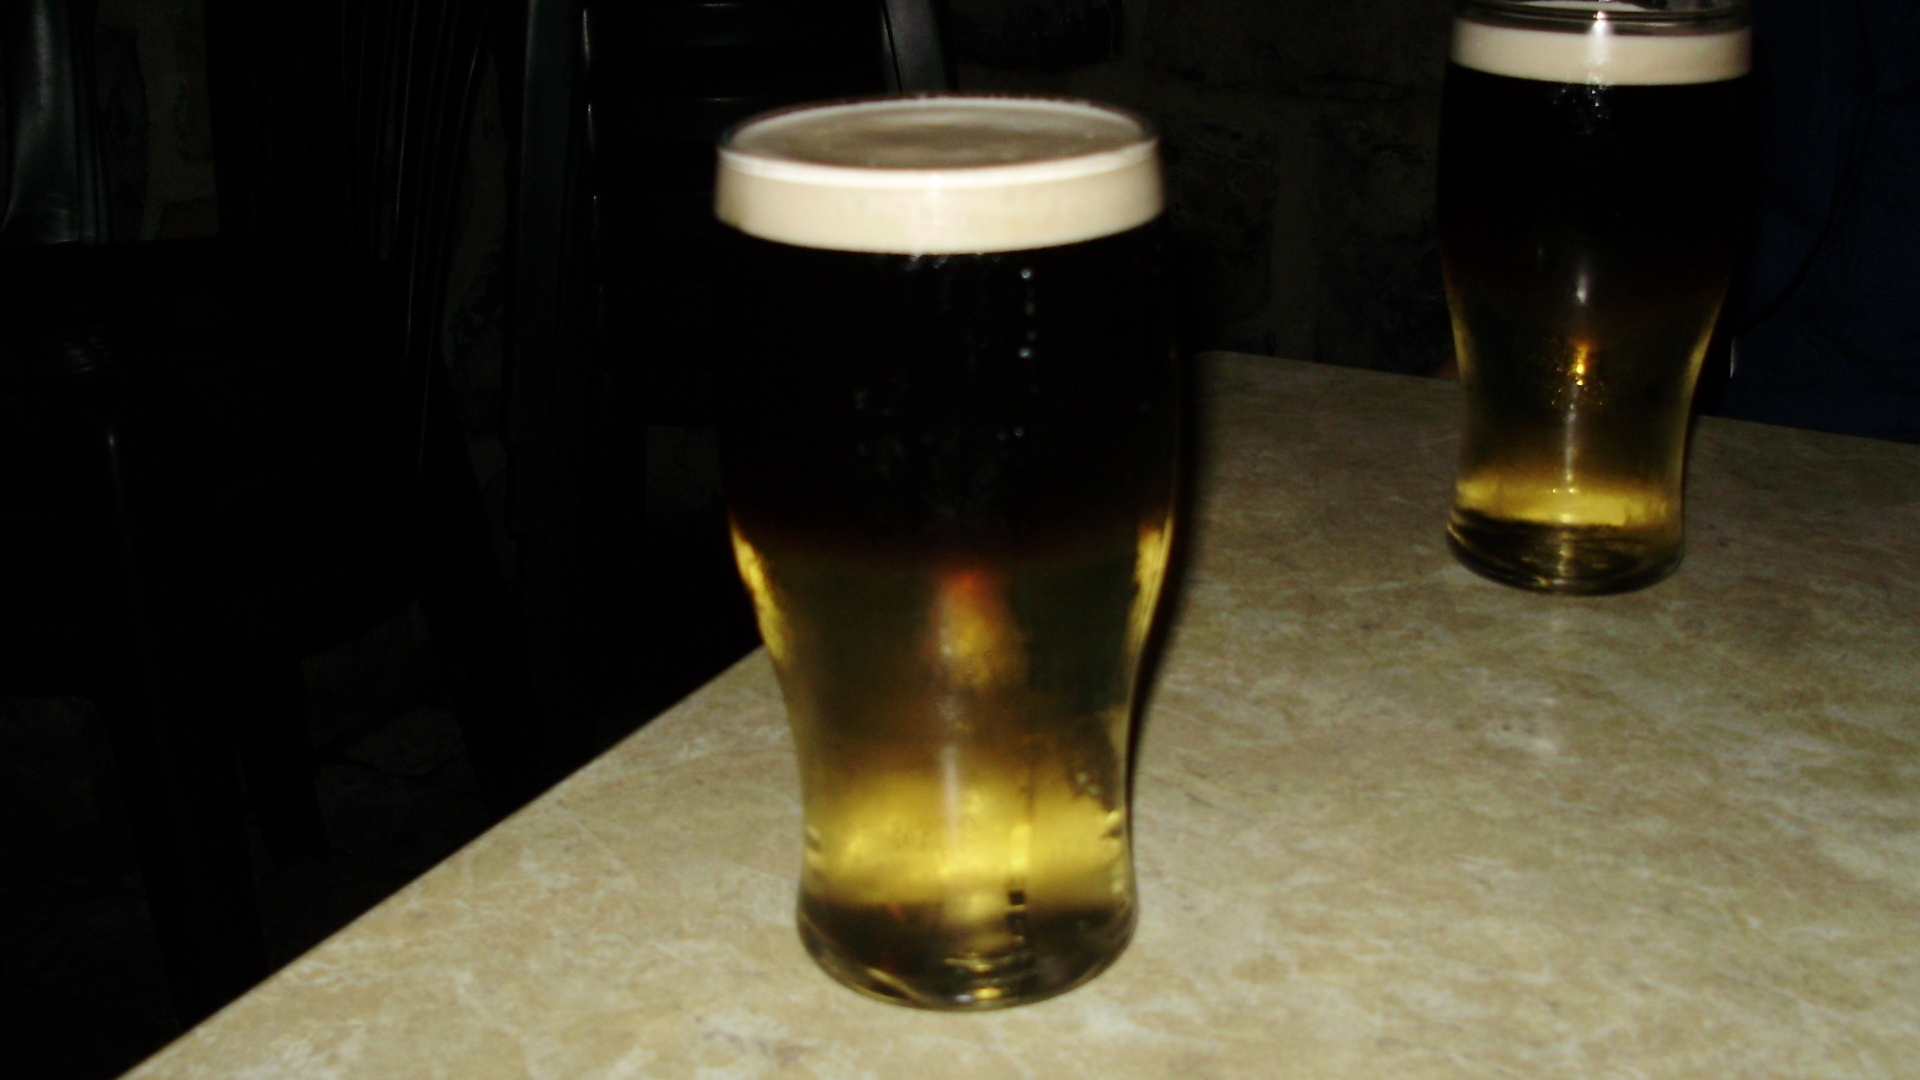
{"x":1626,"y":16}
{"x":929,"y":203}
{"x":984,"y":174}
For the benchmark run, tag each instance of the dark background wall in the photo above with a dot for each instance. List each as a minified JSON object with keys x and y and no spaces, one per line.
{"x":1300,"y":147}
{"x":150,"y":71}
{"x":1300,"y":141}
{"x":1299,"y":135}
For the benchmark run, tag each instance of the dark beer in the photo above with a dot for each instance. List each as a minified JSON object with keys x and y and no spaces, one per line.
{"x":1589,"y":221}
{"x":950,"y":479}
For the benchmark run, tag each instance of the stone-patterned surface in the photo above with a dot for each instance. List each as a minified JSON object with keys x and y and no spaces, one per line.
{"x":1392,"y":820}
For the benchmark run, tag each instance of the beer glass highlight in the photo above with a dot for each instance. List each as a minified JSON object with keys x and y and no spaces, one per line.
{"x":1590,"y":162}
{"x":949,"y":465}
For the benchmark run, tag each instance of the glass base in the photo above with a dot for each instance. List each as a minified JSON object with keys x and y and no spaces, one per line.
{"x":944,"y":975}
{"x":1574,"y":560}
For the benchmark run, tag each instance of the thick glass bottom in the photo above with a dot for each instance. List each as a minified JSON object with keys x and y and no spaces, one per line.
{"x":1575,"y":560}
{"x":890,"y":955}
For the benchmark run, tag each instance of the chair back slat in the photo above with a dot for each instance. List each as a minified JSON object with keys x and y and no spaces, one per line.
{"x":52,"y":190}
{"x":338,"y":129}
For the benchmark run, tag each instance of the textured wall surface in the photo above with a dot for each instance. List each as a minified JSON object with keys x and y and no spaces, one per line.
{"x":1300,"y":147}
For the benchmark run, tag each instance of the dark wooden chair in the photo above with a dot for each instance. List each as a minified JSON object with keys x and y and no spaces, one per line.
{"x":614,"y":107}
{"x":220,"y":456}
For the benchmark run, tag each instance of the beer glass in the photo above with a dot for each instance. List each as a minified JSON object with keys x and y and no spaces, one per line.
{"x":1590,"y":168}
{"x":948,"y":459}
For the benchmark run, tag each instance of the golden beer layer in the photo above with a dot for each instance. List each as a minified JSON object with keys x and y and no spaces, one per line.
{"x":962,"y":728}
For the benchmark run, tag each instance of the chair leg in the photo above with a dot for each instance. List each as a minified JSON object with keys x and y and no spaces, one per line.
{"x":270,"y":730}
{"x":516,"y":752}
{"x":164,"y":704}
{"x":182,"y":790}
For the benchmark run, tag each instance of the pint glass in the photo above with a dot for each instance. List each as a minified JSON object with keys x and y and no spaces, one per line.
{"x":949,"y":466}
{"x":1590,"y":165}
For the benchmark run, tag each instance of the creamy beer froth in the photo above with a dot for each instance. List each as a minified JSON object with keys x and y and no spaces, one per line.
{"x":940,"y":175}
{"x":1599,"y":53}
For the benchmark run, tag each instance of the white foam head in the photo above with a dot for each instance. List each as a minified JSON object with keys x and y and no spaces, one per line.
{"x":1600,"y":44}
{"x":940,"y":175}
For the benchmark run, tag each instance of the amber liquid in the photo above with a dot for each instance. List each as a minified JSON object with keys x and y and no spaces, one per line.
{"x":1587,"y":235}
{"x":962,"y":730}
{"x":950,"y":479}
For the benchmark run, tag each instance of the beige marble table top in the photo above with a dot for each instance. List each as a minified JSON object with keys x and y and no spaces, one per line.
{"x":1391,"y":820}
